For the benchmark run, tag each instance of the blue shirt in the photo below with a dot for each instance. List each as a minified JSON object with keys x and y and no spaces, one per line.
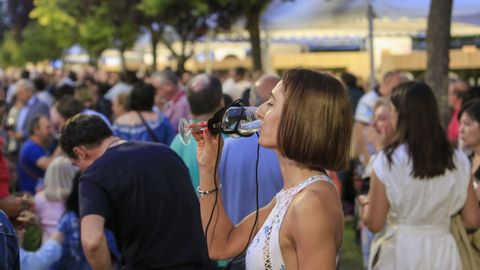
{"x":161,"y":128}
{"x":41,"y":259}
{"x":28,"y":171}
{"x":22,"y":116}
{"x":237,"y":175}
{"x":72,"y":253}
{"x":73,"y":257}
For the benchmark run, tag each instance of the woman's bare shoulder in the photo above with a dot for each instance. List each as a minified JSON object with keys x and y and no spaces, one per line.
{"x":319,"y":201}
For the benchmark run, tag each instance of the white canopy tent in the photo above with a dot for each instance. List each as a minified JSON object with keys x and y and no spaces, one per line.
{"x":352,"y":18}
{"x":351,"y":15}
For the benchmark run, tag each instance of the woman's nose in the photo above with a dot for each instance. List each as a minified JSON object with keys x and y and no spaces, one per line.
{"x":259,"y":112}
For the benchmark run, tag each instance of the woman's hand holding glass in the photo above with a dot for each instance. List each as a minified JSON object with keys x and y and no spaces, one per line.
{"x":207,"y":146}
{"x":236,"y":121}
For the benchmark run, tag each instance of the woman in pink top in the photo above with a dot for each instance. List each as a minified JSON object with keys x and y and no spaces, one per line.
{"x":49,"y":203}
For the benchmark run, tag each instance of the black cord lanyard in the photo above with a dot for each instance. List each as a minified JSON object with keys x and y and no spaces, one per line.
{"x":215,"y":123}
{"x":215,"y":126}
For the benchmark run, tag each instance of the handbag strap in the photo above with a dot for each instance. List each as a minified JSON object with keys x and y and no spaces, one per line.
{"x":150,"y":131}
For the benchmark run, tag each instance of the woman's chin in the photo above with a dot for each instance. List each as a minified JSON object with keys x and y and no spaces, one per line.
{"x":261,"y":140}
{"x":265,"y":143}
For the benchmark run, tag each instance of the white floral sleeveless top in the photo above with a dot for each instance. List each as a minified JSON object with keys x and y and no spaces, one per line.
{"x":264,"y":252}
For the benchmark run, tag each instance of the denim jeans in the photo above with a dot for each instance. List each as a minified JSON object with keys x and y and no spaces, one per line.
{"x":9,"y":254}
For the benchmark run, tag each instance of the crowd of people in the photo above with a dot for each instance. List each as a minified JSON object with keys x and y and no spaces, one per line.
{"x":95,"y":161}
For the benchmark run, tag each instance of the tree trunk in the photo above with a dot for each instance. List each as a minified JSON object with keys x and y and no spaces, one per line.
{"x":155,"y":37}
{"x":253,"y":28}
{"x":170,"y":47}
{"x":93,"y":59}
{"x":154,"y":41}
{"x":123,"y":65}
{"x":438,"y":45}
{"x":181,"y":59}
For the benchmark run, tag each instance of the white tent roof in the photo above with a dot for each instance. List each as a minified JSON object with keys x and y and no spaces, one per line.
{"x":393,"y":17}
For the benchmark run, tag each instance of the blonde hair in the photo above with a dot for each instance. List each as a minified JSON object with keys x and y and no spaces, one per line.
{"x":59,"y":179}
{"x":382,"y":102}
{"x":123,"y":100}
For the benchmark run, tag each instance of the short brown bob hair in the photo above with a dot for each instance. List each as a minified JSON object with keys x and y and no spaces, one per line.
{"x":316,"y":124}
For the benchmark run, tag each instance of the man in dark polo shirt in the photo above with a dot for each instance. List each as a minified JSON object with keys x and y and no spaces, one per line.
{"x":142,"y":192}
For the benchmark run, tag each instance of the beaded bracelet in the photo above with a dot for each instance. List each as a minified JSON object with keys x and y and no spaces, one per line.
{"x":203,"y":193}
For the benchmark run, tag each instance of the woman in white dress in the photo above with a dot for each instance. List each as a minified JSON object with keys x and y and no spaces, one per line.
{"x":418,"y":182}
{"x":307,"y":121}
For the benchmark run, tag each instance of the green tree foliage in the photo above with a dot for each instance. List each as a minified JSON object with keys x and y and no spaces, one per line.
{"x":97,"y":24}
{"x":10,"y":53}
{"x":41,"y":42}
{"x":93,"y":38}
{"x":37,"y":43}
{"x":100,"y":24}
{"x":231,"y":10}
{"x":187,"y":17}
{"x":54,"y":13}
{"x":52,"y":30}
{"x":121,"y":21}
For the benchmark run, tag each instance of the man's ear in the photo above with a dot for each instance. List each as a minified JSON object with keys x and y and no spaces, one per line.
{"x":80,"y":152}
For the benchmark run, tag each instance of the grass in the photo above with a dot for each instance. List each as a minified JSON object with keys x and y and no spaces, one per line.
{"x":351,"y":254}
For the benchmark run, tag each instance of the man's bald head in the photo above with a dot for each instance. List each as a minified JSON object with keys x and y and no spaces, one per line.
{"x":390,"y":80}
{"x":261,"y":89}
{"x":204,"y":93}
{"x":199,"y":82}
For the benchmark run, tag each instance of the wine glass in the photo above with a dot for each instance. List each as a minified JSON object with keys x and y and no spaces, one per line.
{"x":185,"y":130}
{"x":237,"y":121}
{"x":244,"y":118}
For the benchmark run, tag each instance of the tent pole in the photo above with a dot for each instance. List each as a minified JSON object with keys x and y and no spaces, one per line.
{"x":267,"y":60}
{"x":266,"y":43}
{"x":208,"y":52}
{"x":370,"y":17}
